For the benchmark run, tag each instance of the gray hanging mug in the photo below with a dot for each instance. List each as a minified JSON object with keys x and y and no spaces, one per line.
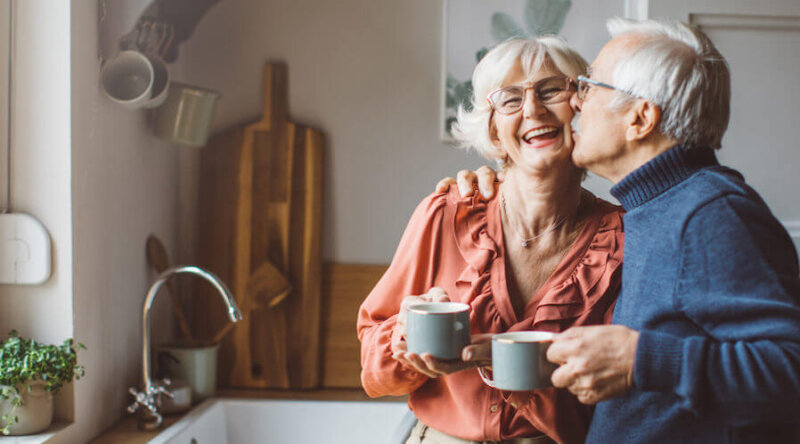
{"x":519,"y":361}
{"x":438,"y":328}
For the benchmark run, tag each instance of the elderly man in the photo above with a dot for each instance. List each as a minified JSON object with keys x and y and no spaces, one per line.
{"x":706,"y":346}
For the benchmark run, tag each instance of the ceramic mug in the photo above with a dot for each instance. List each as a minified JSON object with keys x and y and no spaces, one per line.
{"x":153,"y":41}
{"x":159,"y":91}
{"x":519,"y":361}
{"x":186,"y":115}
{"x":128,"y":78}
{"x":438,"y":328}
{"x":195,"y":364}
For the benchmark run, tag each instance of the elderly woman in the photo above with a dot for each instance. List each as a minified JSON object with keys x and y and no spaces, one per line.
{"x":544,"y":254}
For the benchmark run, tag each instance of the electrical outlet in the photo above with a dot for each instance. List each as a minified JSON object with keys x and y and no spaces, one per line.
{"x":25,"y":253}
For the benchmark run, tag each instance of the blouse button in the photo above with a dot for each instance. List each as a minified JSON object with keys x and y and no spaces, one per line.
{"x":493,"y":408}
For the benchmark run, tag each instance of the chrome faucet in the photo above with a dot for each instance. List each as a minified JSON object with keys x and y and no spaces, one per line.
{"x":146,"y":400}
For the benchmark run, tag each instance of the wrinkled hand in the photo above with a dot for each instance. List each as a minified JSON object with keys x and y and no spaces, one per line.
{"x":479,"y":352}
{"x":596,"y":363}
{"x":435,"y":294}
{"x":487,"y":180}
{"x":474,"y":355}
{"x":425,"y":364}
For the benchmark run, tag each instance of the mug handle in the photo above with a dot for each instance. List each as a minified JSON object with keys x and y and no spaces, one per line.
{"x":486,"y":379}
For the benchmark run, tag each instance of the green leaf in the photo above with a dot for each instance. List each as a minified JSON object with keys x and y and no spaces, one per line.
{"x":22,"y":360}
{"x":463,"y":93}
{"x":480,"y":54}
{"x":449,"y":124}
{"x":451,"y":81}
{"x":504,"y":27}
{"x":546,"y":16}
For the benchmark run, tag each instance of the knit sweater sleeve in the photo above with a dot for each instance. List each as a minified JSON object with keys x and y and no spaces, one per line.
{"x":739,"y":285}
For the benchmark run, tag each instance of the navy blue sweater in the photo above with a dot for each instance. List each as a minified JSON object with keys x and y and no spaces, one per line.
{"x":710,"y":280}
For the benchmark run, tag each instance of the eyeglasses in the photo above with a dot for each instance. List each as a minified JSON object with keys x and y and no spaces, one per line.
{"x":510,"y":99}
{"x":585,"y":84}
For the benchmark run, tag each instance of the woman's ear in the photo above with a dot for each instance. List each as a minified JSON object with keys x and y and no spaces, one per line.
{"x":500,"y":152}
{"x":493,"y":135}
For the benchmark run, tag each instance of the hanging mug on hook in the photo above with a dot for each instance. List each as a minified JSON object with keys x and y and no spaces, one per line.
{"x":187,"y":114}
{"x":158,"y":37}
{"x":137,"y":76}
{"x":127,"y":79}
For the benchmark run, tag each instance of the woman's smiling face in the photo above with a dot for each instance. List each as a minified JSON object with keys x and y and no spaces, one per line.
{"x":536,"y":137}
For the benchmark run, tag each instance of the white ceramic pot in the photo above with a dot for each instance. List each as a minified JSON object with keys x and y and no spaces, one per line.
{"x":36,"y":412}
{"x":197,"y":365}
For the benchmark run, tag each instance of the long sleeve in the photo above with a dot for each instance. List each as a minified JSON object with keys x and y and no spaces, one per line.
{"x":738,"y":283}
{"x":411,"y":272}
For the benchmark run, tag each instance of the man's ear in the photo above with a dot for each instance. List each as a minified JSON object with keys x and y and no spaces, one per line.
{"x":644,"y":119}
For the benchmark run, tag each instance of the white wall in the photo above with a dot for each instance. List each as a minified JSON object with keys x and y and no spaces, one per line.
{"x":368,"y":74}
{"x":124,"y":187}
{"x":100,"y":183}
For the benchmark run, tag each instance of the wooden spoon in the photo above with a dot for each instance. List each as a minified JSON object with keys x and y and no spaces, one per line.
{"x":266,"y":288}
{"x":158,"y":259}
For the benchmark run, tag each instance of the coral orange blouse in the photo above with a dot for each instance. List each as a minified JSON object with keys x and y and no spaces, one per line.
{"x":457,"y":244}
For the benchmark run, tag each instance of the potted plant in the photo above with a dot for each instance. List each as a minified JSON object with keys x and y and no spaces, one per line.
{"x":30,"y":374}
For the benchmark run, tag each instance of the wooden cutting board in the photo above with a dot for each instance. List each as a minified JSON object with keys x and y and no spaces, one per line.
{"x":261,"y":200}
{"x":344,"y":288}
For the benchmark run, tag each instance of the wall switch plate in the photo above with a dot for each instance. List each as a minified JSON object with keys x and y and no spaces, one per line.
{"x":24,"y":250}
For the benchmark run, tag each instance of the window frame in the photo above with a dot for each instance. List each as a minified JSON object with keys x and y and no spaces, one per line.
{"x":6,"y":55}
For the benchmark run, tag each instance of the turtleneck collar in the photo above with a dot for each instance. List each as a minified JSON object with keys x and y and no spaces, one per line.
{"x":660,"y":174}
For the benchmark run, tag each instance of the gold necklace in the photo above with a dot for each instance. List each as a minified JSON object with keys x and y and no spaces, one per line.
{"x":525,"y":241}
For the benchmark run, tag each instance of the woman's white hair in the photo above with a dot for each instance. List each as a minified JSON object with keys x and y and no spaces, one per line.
{"x":679,"y":69}
{"x":471,"y":129}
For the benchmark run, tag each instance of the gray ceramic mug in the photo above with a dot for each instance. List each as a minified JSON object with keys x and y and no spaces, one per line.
{"x":519,"y":361}
{"x":438,"y":328}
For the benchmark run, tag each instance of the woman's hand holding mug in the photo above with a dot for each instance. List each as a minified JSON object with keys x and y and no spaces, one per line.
{"x":426,"y":363}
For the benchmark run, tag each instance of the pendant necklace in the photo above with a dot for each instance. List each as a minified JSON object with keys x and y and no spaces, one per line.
{"x":526,"y":241}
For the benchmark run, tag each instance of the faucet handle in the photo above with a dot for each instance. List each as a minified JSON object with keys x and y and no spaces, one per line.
{"x":146,"y":398}
{"x":139,"y":399}
{"x":162,"y":388}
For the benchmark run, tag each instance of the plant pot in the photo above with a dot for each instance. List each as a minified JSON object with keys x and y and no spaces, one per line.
{"x":35,"y":414}
{"x":195,"y":364}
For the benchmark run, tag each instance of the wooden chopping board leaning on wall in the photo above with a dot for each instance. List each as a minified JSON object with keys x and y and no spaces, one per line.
{"x":260,"y":208}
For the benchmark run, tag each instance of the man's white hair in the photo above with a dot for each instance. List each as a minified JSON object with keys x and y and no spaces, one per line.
{"x":678,"y":68}
{"x":471,"y":129}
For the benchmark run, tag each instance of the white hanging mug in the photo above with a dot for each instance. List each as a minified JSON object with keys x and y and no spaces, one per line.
{"x":127,"y":79}
{"x":157,"y":39}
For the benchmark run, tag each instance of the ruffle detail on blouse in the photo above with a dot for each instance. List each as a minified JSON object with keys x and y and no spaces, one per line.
{"x":472,"y":237}
{"x":592,"y":276}
{"x":479,"y":250}
{"x":577,"y":294}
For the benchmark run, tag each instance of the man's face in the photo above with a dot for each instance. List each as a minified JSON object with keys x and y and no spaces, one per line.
{"x":600,"y":138}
